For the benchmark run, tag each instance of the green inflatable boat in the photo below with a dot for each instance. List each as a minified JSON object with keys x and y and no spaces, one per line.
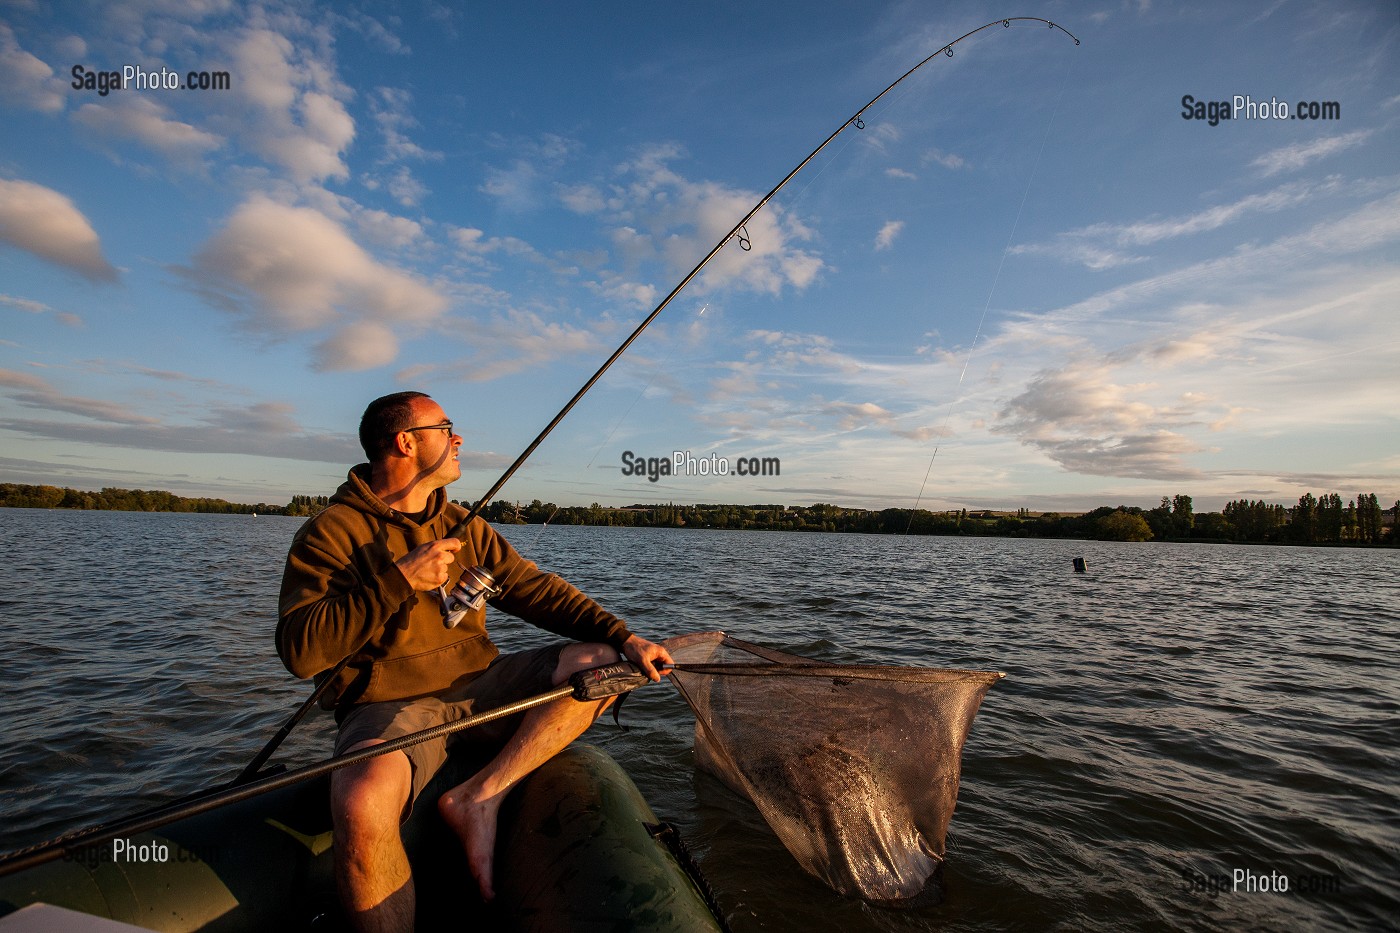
{"x":579,"y":850}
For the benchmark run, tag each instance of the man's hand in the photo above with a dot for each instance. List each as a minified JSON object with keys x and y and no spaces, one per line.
{"x":646,"y":655}
{"x":426,"y":566}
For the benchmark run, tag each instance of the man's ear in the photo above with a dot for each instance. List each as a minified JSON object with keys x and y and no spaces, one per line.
{"x":403,"y":443}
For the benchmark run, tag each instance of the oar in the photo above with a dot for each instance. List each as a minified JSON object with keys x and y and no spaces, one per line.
{"x":593,"y":684}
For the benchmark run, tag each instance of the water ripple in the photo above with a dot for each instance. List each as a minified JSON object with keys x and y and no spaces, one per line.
{"x":1180,"y":711}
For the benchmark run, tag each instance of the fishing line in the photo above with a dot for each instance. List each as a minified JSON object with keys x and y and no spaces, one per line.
{"x":656,"y":371}
{"x":996,"y":279}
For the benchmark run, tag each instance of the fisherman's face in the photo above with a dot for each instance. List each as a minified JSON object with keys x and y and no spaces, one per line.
{"x":435,"y":449}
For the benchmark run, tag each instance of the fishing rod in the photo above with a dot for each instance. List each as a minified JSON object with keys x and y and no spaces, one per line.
{"x":451,"y":603}
{"x":474,"y":590}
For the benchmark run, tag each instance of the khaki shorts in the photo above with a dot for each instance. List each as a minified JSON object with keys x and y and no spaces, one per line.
{"x":510,"y":677}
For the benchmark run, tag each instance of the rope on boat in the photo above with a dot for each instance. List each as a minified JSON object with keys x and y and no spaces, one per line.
{"x":669,"y":835}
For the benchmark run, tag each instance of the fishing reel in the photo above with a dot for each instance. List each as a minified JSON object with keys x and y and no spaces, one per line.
{"x":469,"y":595}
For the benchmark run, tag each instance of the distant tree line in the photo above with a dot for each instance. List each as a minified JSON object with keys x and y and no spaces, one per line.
{"x":112,"y":499}
{"x":1313,"y":521}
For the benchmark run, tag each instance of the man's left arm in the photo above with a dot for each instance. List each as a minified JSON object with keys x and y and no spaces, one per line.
{"x":550,"y":602}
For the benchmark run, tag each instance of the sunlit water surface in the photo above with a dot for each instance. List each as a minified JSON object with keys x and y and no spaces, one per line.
{"x":1177,"y":713}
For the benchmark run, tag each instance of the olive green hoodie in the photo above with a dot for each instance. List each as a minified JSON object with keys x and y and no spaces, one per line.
{"x":342,"y":595}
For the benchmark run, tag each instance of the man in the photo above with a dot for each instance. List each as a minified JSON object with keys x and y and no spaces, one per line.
{"x":360,"y":581}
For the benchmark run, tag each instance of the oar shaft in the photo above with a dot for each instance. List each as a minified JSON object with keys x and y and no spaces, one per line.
{"x":145,"y":822}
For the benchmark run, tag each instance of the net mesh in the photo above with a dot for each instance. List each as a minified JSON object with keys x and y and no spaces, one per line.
{"x":854,"y":767}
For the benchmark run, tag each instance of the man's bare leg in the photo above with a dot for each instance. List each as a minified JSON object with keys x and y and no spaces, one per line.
{"x":371,"y":867}
{"x":471,"y":807}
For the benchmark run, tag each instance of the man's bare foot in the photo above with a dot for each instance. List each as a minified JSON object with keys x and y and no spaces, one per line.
{"x":474,"y":822}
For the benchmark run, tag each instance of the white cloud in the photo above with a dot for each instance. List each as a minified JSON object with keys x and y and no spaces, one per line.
{"x":582,"y":199}
{"x":25,"y":80}
{"x":267,"y":429}
{"x":292,"y":116}
{"x":374,"y":30}
{"x":515,"y":187}
{"x":1100,"y":246}
{"x":33,"y":392}
{"x":684,"y":219}
{"x":886,"y":237}
{"x":387,"y":230}
{"x":1293,"y":157}
{"x":1088,"y":423}
{"x":292,"y":269}
{"x":47,"y":224}
{"x":948,"y":160}
{"x":509,"y":343}
{"x":29,"y":306}
{"x":392,"y":110}
{"x":149,"y":123}
{"x":1365,"y":228}
{"x":850,"y":416}
{"x":357,"y":346}
{"x":405,"y":188}
{"x":25,"y":304}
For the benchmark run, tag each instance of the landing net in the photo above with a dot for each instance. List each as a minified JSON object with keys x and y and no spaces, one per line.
{"x":854,"y":767}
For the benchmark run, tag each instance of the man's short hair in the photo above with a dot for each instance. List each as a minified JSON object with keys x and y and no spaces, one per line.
{"x":382,"y":421}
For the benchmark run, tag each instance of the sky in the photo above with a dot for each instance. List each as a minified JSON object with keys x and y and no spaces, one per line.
{"x":1032,"y":278}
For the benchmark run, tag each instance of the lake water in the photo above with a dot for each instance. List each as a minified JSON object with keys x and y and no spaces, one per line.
{"x":1176,"y":714}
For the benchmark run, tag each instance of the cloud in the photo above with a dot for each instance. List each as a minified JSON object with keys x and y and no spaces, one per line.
{"x":948,"y":160}
{"x":522,"y":185}
{"x":506,"y":344}
{"x":922,"y":434}
{"x":242,"y":435}
{"x":30,"y":306}
{"x":33,"y":392}
{"x":1293,"y":157}
{"x":374,"y":30}
{"x":355,"y":347}
{"x":1100,"y":246}
{"x":293,"y":116}
{"x":147,"y":122}
{"x":1369,"y":226}
{"x":267,"y":429}
{"x":392,"y":111}
{"x":41,"y":221}
{"x":292,"y":269}
{"x":685,"y":219}
{"x":1084,"y":421}
{"x":25,"y":81}
{"x":25,"y":304}
{"x":387,"y":230}
{"x":885,"y":238}
{"x":405,"y":187}
{"x":582,"y":199}
{"x":516,"y":188}
{"x":850,"y":416}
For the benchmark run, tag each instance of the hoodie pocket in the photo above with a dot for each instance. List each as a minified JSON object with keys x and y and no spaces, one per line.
{"x":429,"y":671}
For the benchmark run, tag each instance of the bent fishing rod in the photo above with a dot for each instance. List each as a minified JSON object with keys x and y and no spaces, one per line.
{"x":476,"y":584}
{"x":456,"y":605}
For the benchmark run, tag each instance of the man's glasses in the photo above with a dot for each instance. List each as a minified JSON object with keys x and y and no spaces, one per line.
{"x":445,"y":426}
